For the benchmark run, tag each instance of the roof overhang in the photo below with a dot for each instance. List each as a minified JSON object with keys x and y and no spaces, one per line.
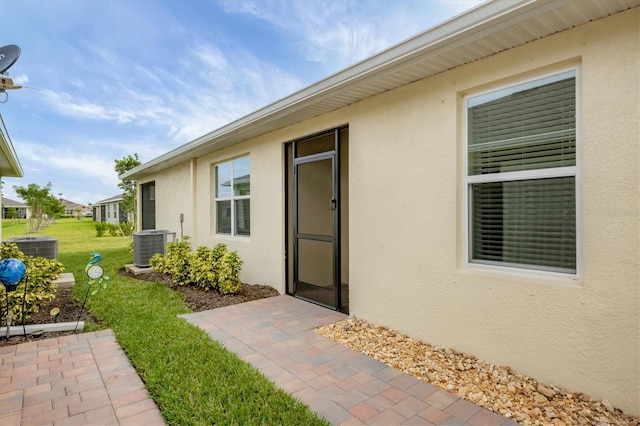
{"x":114,"y":199}
{"x":9,"y":164}
{"x":485,"y":30}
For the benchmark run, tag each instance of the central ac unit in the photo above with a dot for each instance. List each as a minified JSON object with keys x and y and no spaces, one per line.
{"x":149,"y":242}
{"x":37,"y":246}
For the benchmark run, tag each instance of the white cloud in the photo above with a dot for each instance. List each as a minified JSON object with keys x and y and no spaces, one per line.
{"x":72,"y":164}
{"x":20,"y":80}
{"x":207,"y":89}
{"x":340,"y":33}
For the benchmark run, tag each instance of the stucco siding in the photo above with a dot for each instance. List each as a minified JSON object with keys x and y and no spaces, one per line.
{"x":407,"y":226}
{"x":407,"y":214}
{"x":262,"y":252}
{"x":173,"y":193}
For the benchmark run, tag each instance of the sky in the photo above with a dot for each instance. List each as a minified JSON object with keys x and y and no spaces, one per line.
{"x":105,"y":79}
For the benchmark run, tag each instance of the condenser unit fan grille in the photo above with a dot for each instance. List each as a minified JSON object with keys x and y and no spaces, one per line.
{"x":147,"y":243}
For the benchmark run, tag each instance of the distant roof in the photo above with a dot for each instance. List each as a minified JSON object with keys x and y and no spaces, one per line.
{"x":485,"y":30}
{"x":70,"y":204}
{"x":6,"y":202}
{"x":113,"y":199}
{"x":9,"y":164}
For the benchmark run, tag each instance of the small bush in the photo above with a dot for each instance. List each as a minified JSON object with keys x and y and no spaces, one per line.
{"x":178,"y":261}
{"x":114,"y":229}
{"x":203,"y":271}
{"x":158,"y":263}
{"x":101,"y":228}
{"x":128,"y":228}
{"x":228,"y":272}
{"x":40,"y":289}
{"x":216,"y":268}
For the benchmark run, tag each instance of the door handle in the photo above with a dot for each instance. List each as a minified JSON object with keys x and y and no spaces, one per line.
{"x":333,"y":204}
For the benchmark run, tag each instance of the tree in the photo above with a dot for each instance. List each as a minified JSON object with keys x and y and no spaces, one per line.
{"x":128,"y":186}
{"x":45,"y":207}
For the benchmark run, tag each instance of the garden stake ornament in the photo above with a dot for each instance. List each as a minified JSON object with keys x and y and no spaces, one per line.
{"x":12,"y":271}
{"x":97,"y":278}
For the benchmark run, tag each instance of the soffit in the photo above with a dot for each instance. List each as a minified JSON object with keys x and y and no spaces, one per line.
{"x":488,"y":29}
{"x":9,"y":164}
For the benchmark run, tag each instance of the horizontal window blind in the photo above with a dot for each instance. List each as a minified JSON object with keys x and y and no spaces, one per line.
{"x":526,"y":128}
{"x":528,"y":223}
{"x":520,"y":217}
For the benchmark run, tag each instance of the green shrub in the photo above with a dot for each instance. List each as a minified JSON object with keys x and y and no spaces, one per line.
{"x":228,"y":271}
{"x":128,"y":228}
{"x":158,"y":263}
{"x":40,"y":289}
{"x":203,"y":270}
{"x":101,"y":228}
{"x":114,"y":229}
{"x":176,"y":262}
{"x":216,"y":268}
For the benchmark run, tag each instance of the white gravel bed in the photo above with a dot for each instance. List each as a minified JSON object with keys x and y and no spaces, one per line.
{"x":494,"y":387}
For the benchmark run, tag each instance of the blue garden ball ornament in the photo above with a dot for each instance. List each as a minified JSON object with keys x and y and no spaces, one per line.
{"x":11,"y":272}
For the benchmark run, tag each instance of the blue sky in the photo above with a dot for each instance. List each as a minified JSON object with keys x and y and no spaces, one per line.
{"x":109,"y":78}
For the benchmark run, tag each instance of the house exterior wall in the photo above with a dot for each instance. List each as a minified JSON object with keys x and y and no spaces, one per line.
{"x":113,"y":213}
{"x":582,"y":334}
{"x":407,"y":217}
{"x":264,"y":249}
{"x":174,"y":195}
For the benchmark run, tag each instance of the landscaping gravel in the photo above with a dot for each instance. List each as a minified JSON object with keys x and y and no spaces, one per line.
{"x":494,"y":387}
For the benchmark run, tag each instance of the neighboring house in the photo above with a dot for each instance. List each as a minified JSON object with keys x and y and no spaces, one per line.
{"x":109,"y":210}
{"x":71,"y":208}
{"x":9,"y":164}
{"x":475,"y":186}
{"x":14,"y":209}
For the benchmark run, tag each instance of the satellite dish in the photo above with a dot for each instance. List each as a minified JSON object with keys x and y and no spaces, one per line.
{"x":9,"y":54}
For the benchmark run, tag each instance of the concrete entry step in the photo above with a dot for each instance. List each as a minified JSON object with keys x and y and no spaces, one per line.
{"x":66,"y":280}
{"x":137,"y":270}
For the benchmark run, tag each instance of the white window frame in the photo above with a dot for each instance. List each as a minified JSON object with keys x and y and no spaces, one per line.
{"x":232,"y":198}
{"x":574,"y":171}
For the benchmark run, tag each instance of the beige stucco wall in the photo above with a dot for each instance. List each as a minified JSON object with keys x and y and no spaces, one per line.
{"x":174,"y":195}
{"x":407,"y":231}
{"x":406,"y":218}
{"x":262,"y":252}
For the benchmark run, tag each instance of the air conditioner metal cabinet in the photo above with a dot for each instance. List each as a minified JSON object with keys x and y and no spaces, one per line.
{"x":149,"y":242}
{"x":37,"y":246}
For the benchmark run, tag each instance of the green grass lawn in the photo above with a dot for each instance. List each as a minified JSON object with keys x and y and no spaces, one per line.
{"x":193,"y":379}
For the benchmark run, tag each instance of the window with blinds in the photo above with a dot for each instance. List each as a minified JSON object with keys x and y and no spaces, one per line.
{"x":521,"y":167}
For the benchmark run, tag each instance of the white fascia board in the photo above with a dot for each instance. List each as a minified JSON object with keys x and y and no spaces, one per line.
{"x":10,"y":159}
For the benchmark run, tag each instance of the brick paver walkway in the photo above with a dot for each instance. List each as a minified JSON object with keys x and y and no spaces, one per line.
{"x":81,"y":379}
{"x":345,"y":387}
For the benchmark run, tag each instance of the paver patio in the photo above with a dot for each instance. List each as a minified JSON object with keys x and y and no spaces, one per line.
{"x":87,"y":378}
{"x":344,"y":386}
{"x":80,"y":379}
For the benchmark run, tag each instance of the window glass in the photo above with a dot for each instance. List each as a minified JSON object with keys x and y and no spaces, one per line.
{"x":526,"y":218}
{"x":223,"y":215}
{"x":526,"y":222}
{"x":526,"y":128}
{"x":243,"y":210}
{"x":232,"y":207}
{"x":242,"y":176}
{"x":223,"y":180}
{"x":315,"y":145}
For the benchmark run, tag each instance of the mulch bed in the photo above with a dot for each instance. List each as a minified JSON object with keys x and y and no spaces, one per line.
{"x":196,"y":299}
